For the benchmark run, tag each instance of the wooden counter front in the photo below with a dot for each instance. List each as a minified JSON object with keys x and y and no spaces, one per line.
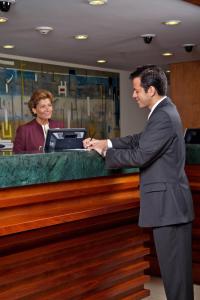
{"x":73,"y":240}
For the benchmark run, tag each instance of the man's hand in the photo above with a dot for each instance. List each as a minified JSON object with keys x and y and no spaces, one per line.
{"x":100,"y":146}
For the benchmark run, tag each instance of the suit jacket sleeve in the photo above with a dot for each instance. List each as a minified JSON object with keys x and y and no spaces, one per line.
{"x":127,"y":142}
{"x":146,"y":148}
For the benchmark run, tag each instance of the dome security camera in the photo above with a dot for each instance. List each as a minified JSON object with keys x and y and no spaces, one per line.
{"x":5,"y":5}
{"x":148,"y":37}
{"x":188,"y":47}
{"x":44,"y":29}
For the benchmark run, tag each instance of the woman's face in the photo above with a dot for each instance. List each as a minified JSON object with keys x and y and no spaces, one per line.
{"x":43,"y":109}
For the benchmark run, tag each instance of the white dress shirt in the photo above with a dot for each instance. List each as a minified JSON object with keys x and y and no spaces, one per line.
{"x":45,"y":129}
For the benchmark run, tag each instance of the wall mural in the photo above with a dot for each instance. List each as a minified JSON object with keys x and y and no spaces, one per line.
{"x":82,"y":98}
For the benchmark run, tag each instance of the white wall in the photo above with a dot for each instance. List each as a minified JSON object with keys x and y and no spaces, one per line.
{"x":132,"y":118}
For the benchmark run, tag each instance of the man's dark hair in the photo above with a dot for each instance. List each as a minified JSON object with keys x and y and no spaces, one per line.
{"x":151,"y":75}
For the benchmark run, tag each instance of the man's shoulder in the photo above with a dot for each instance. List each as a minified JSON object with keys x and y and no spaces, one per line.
{"x":167,"y":107}
{"x":168,"y":113}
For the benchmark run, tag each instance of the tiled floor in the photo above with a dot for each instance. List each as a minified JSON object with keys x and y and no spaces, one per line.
{"x":157,"y":290}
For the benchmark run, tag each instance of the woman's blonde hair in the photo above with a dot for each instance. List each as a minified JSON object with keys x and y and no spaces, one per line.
{"x":38,"y":95}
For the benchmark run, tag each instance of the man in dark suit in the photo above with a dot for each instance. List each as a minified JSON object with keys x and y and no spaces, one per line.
{"x":166,"y":203}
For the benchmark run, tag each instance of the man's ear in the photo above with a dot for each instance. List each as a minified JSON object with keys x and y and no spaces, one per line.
{"x":151,"y":91}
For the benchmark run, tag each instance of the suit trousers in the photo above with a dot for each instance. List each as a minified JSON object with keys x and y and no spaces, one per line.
{"x":174,"y":251}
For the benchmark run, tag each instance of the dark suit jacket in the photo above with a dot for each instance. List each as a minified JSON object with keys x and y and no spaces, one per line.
{"x":159,"y":152}
{"x":30,"y":136}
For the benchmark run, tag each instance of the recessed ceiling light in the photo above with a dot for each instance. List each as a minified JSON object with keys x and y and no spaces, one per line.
{"x":3,"y":19}
{"x":167,"y":54}
{"x":168,"y":71}
{"x":101,"y":61}
{"x":8,"y":46}
{"x":81,"y":37}
{"x":171,"y":22}
{"x":97,"y":2}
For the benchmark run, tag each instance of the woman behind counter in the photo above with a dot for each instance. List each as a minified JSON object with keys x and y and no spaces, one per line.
{"x":31,"y":136}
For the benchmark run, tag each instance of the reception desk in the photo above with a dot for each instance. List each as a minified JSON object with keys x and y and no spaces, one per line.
{"x":69,"y":229}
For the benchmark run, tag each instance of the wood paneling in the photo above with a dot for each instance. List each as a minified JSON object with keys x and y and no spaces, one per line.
{"x":73,"y":240}
{"x":185,"y":92}
{"x":31,"y":207}
{"x":197,"y":2}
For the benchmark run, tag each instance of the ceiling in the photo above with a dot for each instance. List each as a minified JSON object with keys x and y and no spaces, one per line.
{"x":114,"y":31}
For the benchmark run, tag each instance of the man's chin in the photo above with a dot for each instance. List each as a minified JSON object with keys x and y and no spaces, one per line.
{"x":141,"y":105}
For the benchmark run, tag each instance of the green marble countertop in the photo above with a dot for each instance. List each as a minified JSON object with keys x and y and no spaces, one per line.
{"x":36,"y":168}
{"x":27,"y":169}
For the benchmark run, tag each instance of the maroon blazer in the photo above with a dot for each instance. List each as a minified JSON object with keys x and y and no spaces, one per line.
{"x":30,"y":136}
